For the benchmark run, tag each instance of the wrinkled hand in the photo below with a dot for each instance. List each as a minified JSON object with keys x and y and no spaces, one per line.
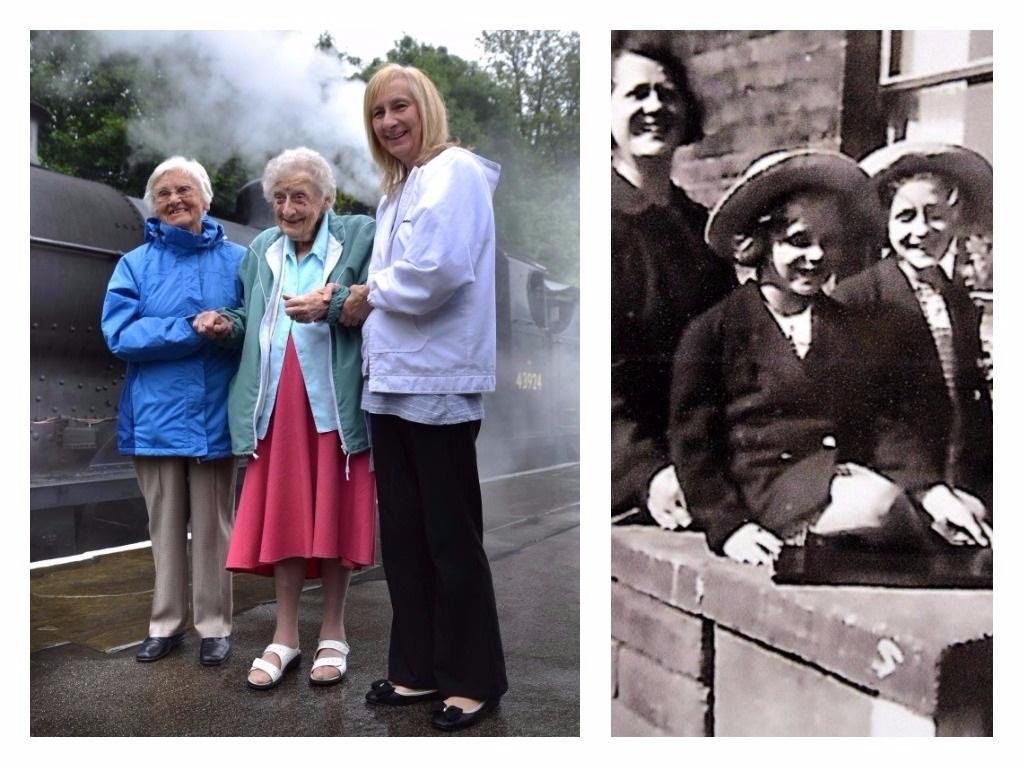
{"x":211,"y":324}
{"x":957,"y":516}
{"x":309,"y":307}
{"x":752,"y":544}
{"x":357,"y":306}
{"x":665,"y":500}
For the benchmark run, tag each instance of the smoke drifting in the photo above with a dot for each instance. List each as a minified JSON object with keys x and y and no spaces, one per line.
{"x":251,"y":94}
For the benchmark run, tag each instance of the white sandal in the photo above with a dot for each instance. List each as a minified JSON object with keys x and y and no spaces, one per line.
{"x":289,"y":657}
{"x":339,"y":662}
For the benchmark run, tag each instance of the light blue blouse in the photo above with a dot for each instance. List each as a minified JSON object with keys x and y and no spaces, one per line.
{"x":312,"y":340}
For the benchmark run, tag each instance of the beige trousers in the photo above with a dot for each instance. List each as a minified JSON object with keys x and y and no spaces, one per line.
{"x":179,"y":490}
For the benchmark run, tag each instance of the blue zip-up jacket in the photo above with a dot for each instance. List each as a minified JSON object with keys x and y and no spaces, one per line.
{"x":175,"y":394}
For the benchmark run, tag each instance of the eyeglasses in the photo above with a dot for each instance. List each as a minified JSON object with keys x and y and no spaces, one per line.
{"x":183,"y":191}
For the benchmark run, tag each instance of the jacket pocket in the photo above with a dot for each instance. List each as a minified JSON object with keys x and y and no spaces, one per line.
{"x":392,"y":332}
{"x":163,"y":403}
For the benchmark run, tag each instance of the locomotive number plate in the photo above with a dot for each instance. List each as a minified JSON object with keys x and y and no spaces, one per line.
{"x":529,"y":380}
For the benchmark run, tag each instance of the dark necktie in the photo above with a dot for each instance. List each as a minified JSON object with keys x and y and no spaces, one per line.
{"x":937,"y":279}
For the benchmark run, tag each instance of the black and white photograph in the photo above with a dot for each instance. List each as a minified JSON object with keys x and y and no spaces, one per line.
{"x":802,"y":381}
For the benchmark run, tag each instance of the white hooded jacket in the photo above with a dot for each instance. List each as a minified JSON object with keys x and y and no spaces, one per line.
{"x":431,"y":281}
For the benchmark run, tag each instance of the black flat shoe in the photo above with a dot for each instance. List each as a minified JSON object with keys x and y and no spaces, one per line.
{"x":214,"y":651}
{"x":449,"y":718}
{"x":383,"y":692}
{"x":154,"y":648}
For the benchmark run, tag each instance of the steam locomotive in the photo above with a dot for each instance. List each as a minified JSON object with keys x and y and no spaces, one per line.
{"x":83,"y":493}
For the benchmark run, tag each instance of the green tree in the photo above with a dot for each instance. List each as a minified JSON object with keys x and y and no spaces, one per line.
{"x":227,"y":180}
{"x":540,"y":72}
{"x":326,"y":44}
{"x":345,"y":203}
{"x":90,"y":99}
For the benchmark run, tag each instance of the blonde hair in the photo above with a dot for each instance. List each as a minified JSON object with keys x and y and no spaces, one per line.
{"x":433,"y":121}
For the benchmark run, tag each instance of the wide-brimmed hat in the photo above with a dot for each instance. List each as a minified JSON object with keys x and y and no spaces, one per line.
{"x":968,"y":171}
{"x":770,"y":179}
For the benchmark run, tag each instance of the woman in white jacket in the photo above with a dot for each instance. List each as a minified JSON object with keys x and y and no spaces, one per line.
{"x":428,"y":355}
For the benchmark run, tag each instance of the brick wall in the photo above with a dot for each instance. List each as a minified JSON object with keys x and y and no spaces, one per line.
{"x":704,"y":646}
{"x":656,"y":646}
{"x":761,"y":93}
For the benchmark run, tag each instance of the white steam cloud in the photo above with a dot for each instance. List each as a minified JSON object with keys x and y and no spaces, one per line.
{"x":252,"y":94}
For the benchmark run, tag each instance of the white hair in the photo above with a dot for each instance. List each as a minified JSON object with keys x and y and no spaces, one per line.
{"x":186,"y":165}
{"x":300,"y":159}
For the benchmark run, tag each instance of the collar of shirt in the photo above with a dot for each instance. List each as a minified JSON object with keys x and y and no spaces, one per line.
{"x":945,"y":264}
{"x":319,"y":248}
{"x":796,"y":324}
{"x":933,"y":306}
{"x":796,"y":328}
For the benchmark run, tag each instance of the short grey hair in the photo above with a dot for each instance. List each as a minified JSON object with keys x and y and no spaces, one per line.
{"x":300,"y":159}
{"x":186,"y":165}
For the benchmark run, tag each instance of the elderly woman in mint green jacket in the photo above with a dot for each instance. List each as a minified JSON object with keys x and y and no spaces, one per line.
{"x":308,"y":502}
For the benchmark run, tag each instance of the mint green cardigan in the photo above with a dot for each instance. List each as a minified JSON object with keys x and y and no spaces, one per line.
{"x":347,"y":262}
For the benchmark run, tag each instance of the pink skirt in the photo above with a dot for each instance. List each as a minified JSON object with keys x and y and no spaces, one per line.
{"x":296,"y":500}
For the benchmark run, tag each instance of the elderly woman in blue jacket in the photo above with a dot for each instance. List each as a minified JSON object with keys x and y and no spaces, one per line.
{"x":428,"y":355}
{"x":172,"y":418}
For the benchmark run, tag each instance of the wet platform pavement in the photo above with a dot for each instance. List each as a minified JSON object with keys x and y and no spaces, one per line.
{"x":87,"y":619}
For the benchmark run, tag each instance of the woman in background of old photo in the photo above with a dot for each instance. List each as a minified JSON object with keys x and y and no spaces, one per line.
{"x":662,"y":273}
{"x":778,"y":420}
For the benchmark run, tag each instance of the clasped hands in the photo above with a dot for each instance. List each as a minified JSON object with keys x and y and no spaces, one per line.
{"x":357,"y":305}
{"x":308,"y":308}
{"x":211,"y":324}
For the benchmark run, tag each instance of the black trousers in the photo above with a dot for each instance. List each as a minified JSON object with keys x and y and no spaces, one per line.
{"x":444,"y":629}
